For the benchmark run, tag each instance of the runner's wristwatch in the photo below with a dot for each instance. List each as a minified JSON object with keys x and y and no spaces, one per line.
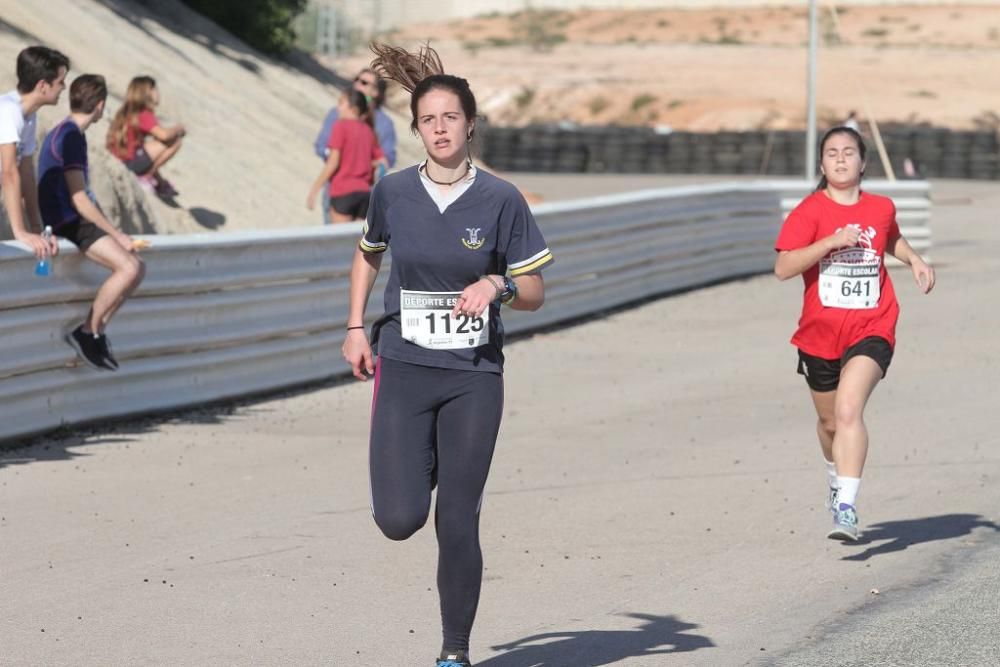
{"x":509,"y":292}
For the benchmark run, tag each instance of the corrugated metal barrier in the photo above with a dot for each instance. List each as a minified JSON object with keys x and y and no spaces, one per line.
{"x":227,"y":315}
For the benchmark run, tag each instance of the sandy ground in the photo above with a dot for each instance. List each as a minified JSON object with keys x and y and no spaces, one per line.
{"x":734,"y":69}
{"x":656,"y":500}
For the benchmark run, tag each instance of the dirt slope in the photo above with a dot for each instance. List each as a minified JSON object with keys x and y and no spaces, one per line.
{"x":247,"y":162}
{"x":737,"y":69}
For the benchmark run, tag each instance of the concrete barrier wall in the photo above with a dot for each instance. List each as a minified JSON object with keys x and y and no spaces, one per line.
{"x":227,"y":315}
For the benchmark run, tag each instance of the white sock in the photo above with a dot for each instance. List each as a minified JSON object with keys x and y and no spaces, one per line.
{"x":831,"y":473}
{"x":848,"y":490}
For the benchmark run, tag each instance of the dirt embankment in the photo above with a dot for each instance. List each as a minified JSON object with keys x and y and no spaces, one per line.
{"x":247,"y":161}
{"x":731,"y":69}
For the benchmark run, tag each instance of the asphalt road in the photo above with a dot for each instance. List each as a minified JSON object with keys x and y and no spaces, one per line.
{"x":656,"y":499}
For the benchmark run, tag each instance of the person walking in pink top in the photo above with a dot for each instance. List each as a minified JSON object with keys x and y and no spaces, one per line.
{"x":354,"y":153}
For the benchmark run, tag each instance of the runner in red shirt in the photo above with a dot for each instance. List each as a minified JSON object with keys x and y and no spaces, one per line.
{"x":349,"y":169}
{"x":836,"y":239}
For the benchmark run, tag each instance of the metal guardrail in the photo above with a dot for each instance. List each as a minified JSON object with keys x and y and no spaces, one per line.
{"x":226,"y":315}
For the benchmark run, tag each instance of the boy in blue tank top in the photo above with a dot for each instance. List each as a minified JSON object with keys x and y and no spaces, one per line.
{"x":70,"y":208}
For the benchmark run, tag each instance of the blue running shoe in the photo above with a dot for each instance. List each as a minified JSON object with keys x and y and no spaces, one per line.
{"x":845,"y":524}
{"x":453,"y":659}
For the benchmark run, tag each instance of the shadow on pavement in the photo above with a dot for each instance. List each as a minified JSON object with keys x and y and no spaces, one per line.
{"x":902,"y":534}
{"x":58,"y":445}
{"x":61,"y":445}
{"x":207,"y":217}
{"x":591,"y":648}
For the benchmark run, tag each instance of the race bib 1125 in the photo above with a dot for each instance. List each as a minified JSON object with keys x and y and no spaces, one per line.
{"x":426,"y":320}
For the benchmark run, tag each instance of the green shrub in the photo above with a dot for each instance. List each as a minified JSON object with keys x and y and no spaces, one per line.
{"x":533,"y":27}
{"x":642,"y":100}
{"x":597,"y":105}
{"x":524,"y":98}
{"x":263,"y":24}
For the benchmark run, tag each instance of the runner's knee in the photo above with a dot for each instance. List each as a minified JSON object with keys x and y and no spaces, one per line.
{"x":401,"y":523}
{"x":847,"y":415}
{"x":828,"y":425}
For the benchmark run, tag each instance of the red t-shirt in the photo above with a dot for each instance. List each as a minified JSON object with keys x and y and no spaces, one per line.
{"x":135,"y":133}
{"x":853,"y":277}
{"x":358,"y":148}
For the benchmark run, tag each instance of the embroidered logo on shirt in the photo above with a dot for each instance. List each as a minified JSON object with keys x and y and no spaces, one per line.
{"x":473,"y":242}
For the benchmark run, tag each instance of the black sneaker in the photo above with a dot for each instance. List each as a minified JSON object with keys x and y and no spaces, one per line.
{"x":88,"y":349}
{"x":105,"y":346}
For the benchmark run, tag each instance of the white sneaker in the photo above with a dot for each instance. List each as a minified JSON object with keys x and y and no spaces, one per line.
{"x":845,"y":524}
{"x":831,"y":501}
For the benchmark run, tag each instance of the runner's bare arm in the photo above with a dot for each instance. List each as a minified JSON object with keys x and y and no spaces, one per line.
{"x":530,"y":292}
{"x":923,"y":274}
{"x":476,"y":298}
{"x":357,"y":351}
{"x":791,"y":263}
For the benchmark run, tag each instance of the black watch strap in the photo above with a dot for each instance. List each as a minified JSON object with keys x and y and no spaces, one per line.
{"x":509,"y":291}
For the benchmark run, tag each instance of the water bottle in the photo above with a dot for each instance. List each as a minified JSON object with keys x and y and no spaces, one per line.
{"x":44,"y":265}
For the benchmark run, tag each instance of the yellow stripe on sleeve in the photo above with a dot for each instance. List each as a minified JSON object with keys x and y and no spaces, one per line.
{"x":527,"y":268}
{"x":371,"y":248}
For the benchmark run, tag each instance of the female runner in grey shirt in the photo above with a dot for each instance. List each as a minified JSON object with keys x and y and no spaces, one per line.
{"x":456,"y":233}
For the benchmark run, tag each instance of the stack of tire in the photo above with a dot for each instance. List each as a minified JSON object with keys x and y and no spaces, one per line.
{"x":536,"y":148}
{"x":984,"y":159}
{"x":936,"y":152}
{"x":497,"y":146}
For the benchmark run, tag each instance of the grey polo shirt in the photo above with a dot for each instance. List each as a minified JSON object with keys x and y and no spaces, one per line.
{"x":489,"y":229}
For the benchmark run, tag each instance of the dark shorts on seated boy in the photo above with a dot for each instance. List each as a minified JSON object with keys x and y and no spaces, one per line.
{"x":80,"y":233}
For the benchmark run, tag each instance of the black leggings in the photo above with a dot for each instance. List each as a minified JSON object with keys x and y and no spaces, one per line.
{"x":436,"y":425}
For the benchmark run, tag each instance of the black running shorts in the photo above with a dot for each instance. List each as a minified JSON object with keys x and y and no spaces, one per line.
{"x":824,"y":374}
{"x":354,"y":204}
